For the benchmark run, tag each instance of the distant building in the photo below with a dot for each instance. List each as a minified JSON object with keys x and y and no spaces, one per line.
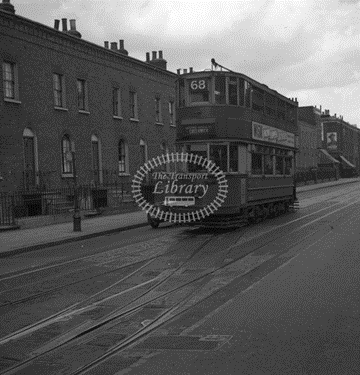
{"x":341,"y":141}
{"x":59,"y":90}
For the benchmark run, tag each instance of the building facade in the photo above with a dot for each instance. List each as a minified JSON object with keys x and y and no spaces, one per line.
{"x":340,"y":139}
{"x":60,"y":93}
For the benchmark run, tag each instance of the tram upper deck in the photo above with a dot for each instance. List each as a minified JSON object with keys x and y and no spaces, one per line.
{"x":223,"y":105}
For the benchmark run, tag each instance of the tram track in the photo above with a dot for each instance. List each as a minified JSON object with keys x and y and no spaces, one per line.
{"x":148,"y":299}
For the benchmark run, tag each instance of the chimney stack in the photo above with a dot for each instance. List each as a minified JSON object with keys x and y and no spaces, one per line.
{"x":191,"y":70}
{"x":185,"y":71}
{"x":122,"y":49}
{"x":147,"y":56}
{"x":56,"y":24}
{"x":7,"y":7}
{"x":114,"y":46}
{"x":64,"y":24}
{"x":73,"y":30}
{"x":179,"y":71}
{"x":106,"y":44}
{"x":159,"y":62}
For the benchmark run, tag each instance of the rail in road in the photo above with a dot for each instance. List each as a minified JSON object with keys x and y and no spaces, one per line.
{"x":162,"y":288}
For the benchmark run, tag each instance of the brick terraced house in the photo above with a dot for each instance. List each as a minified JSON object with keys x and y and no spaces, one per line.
{"x":60,"y":93}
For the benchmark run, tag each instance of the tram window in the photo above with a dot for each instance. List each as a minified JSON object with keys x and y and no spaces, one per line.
{"x":258,"y":100}
{"x":199,"y":90}
{"x":247,"y":94}
{"x":279,"y":165}
{"x":220,"y":87}
{"x":218,"y":154}
{"x":241,"y":92}
{"x":288,"y":166}
{"x":233,"y":91}
{"x":256,"y":163}
{"x":269,"y":164}
{"x":200,"y":150}
{"x":234,"y":158}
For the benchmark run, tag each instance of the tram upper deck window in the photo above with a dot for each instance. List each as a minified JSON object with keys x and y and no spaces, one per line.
{"x":233,"y":91}
{"x":220,"y":90}
{"x":199,"y":90}
{"x":199,"y":149}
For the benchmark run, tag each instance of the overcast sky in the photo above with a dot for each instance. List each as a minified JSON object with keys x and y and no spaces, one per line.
{"x":309,"y":49}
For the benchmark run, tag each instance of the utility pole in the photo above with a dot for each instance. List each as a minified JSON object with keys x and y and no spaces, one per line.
{"x":77,"y":216}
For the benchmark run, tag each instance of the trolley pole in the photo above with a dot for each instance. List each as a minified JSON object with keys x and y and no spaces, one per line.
{"x":77,"y":216}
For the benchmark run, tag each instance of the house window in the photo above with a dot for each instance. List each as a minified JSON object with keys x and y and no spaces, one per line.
{"x":59,"y":90}
{"x":158,"y":110}
{"x":123,"y":156}
{"x":10,"y":81}
{"x":116,"y":100}
{"x":82,"y":95}
{"x":133,"y":105}
{"x":67,"y":166}
{"x":171,"y":113}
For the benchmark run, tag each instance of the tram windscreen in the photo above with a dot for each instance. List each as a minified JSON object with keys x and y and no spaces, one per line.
{"x":200,"y":150}
{"x":218,"y":154}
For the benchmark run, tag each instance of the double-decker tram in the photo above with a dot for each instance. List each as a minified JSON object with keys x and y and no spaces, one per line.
{"x":249,"y":132}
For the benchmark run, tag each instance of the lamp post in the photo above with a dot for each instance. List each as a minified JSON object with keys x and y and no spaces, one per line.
{"x":77,"y":216}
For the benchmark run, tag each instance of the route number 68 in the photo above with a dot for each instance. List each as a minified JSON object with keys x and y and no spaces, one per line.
{"x":198,"y":84}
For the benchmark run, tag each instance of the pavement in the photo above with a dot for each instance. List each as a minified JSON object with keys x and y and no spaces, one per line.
{"x":23,"y":240}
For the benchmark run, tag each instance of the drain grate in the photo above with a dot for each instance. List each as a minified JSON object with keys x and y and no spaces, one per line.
{"x":179,"y":343}
{"x":107,"y":340}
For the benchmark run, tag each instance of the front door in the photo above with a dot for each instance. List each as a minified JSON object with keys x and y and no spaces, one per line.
{"x":96,"y":162}
{"x":29,"y":159}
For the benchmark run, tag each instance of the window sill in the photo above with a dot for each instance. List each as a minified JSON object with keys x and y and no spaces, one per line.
{"x":117,"y":117}
{"x":159,"y":123}
{"x":84,"y":112}
{"x":67,"y":175}
{"x":61,"y":109}
{"x":12,"y":101}
{"x":134,"y":119}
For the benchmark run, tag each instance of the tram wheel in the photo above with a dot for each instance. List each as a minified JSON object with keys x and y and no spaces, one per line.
{"x":154,"y":223}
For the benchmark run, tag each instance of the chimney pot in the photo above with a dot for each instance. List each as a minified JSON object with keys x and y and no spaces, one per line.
{"x":113,"y":45}
{"x":296,"y":99}
{"x":106,"y":44}
{"x":160,"y":54}
{"x":154,"y":55}
{"x":73,"y":25}
{"x":147,"y":56}
{"x":179,"y":71}
{"x":185,"y":71}
{"x":64,"y":24}
{"x":56,"y":24}
{"x":191,"y":70}
{"x":121,"y":43}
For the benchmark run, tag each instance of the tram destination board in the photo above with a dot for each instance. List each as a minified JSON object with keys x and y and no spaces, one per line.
{"x":199,"y":131}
